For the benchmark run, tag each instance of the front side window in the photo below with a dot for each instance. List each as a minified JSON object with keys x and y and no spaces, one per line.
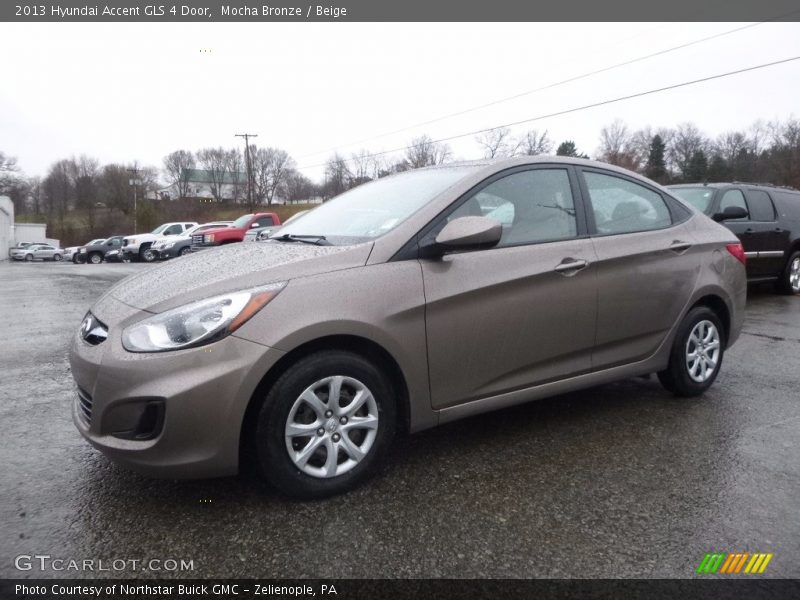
{"x":533,"y":206}
{"x":761,"y":208}
{"x":622,"y":206}
{"x":732,"y":198}
{"x":173,"y":230}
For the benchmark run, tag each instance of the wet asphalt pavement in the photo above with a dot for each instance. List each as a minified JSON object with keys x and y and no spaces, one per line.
{"x":622,"y":480}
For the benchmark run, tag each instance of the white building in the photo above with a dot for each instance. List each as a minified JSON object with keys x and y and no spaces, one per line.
{"x":12,"y":233}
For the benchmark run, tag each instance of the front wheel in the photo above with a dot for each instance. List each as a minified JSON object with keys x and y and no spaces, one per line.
{"x":789,"y":282}
{"x":95,"y":258}
{"x":184,"y":251}
{"x":29,"y":258}
{"x":325,"y":425}
{"x":147,"y":255}
{"x":696,"y":355}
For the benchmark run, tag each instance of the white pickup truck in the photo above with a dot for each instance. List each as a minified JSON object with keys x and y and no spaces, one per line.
{"x":137,"y":247}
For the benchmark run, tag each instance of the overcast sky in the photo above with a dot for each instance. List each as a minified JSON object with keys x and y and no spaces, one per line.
{"x":125,"y":92}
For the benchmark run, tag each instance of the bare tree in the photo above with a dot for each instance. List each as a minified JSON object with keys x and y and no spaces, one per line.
{"x":271,"y":170}
{"x":497,"y":142}
{"x":686,"y":142}
{"x":533,"y":143}
{"x":365,"y":167}
{"x":215,"y":162}
{"x":59,"y":190}
{"x":178,"y":166}
{"x":424,"y":152}
{"x":337,"y":176}
{"x":237,"y":174}
{"x":9,"y":172}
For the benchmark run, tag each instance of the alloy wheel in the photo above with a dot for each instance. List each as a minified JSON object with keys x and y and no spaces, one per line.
{"x":794,"y":275}
{"x":331,"y":426}
{"x":702,"y":351}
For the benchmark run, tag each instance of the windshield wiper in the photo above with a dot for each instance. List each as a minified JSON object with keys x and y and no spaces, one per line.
{"x":317,"y":240}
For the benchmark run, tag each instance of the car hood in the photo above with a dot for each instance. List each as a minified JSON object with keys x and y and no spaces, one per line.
{"x":229,"y":268}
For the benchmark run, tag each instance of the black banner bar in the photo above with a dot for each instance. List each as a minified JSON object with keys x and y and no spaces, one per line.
{"x":397,"y":589}
{"x":206,"y":11}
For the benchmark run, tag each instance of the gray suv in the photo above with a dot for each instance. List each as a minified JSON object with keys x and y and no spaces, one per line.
{"x":401,"y":305}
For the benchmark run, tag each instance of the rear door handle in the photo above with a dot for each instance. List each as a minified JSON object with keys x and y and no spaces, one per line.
{"x":679,"y":247}
{"x":570,"y":267}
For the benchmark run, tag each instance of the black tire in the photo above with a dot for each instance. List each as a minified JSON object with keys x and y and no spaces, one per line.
{"x":94,"y":258}
{"x":29,"y":258}
{"x":785,"y":283}
{"x":676,"y":377}
{"x":146,"y":254}
{"x":273,"y":456}
{"x":75,"y":259}
{"x":184,"y":251}
{"x":58,"y":257}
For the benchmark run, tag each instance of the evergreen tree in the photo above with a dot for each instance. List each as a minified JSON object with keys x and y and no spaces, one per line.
{"x":656,"y":167}
{"x":569,"y":148}
{"x":718,"y":169}
{"x":697,"y":170}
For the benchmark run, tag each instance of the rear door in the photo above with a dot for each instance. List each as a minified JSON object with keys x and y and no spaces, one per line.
{"x":646,"y":265}
{"x":521,"y":313}
{"x":44,"y":252}
{"x":771,"y":240}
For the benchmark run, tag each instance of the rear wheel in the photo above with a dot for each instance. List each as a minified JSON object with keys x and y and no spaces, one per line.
{"x":696,"y":355}
{"x":58,"y":257}
{"x":95,"y":258}
{"x":28,"y":257}
{"x":789,"y":282}
{"x":184,"y":251}
{"x":325,"y":425}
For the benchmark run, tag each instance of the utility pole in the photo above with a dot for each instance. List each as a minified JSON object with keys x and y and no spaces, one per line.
{"x":247,"y":163}
{"x":134,"y":183}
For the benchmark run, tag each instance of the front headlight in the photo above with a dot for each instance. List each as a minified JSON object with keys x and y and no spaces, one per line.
{"x":198,"y":323}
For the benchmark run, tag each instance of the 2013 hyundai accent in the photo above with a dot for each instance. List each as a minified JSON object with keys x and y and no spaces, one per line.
{"x":404,"y":303}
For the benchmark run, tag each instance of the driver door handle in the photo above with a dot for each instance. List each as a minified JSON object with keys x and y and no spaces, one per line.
{"x":679,"y":247}
{"x":570,"y":266}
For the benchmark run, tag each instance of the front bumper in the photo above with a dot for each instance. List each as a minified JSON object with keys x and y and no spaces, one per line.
{"x":203,"y":392}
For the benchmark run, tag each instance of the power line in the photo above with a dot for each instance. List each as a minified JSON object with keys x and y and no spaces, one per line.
{"x":553,"y":85}
{"x":579,"y":108}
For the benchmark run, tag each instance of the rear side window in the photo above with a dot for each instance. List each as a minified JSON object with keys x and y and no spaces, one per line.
{"x":173,"y":230}
{"x":622,"y":206}
{"x":761,"y":208}
{"x":264,"y":222}
{"x":732,"y":198}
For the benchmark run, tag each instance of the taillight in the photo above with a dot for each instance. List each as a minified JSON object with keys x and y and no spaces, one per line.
{"x":737,"y":251}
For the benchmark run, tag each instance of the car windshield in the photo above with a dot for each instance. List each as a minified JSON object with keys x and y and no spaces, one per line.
{"x":699,"y":197}
{"x":241,"y":221}
{"x":373,"y":209}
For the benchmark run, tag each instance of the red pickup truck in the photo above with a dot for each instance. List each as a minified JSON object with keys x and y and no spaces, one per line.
{"x":234,"y":232}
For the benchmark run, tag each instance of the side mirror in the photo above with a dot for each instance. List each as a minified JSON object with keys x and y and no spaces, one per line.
{"x":465,"y":233}
{"x":730,"y":212}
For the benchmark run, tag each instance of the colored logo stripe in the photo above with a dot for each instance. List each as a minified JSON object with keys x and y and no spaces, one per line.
{"x":734,"y":562}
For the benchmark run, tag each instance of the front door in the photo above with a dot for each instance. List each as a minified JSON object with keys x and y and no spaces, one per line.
{"x":522,"y":313}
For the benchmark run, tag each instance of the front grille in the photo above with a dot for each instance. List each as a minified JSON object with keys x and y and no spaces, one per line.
{"x":84,"y":406}
{"x":197,"y":240}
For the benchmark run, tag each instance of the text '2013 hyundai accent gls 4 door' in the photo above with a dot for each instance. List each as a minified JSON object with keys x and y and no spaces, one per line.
{"x":407,"y":302}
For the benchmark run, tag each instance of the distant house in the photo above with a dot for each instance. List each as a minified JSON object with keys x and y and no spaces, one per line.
{"x":201,"y":184}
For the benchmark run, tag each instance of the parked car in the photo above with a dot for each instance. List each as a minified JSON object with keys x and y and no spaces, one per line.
{"x":235,"y":232}
{"x":138,"y":247}
{"x":182,"y":245}
{"x":263,"y":234}
{"x":37,"y":252}
{"x":71,"y":253}
{"x":765,"y":218}
{"x":311,"y":350}
{"x":97,"y":253}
